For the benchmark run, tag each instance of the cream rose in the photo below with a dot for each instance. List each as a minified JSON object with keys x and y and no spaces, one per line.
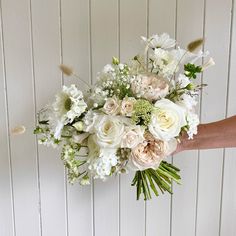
{"x":132,"y":136}
{"x":109,"y":131}
{"x":150,"y":86}
{"x":167,"y":120}
{"x":127,"y":106}
{"x":151,"y":152}
{"x":112,"y":106}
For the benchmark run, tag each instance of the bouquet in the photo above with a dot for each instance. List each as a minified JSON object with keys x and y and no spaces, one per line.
{"x":131,"y":119}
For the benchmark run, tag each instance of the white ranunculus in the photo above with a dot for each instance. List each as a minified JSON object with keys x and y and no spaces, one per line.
{"x":109,"y":131}
{"x":132,"y":136}
{"x":112,"y":106}
{"x":167,"y":120}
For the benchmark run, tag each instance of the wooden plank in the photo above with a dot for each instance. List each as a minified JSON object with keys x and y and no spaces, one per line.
{"x":75,"y":51}
{"x":162,"y":15}
{"x":6,"y":200}
{"x":47,"y":57}
{"x":228,"y":208}
{"x":189,"y":27}
{"x":210,"y":166}
{"x":104,"y":46}
{"x":133,"y":15}
{"x":17,"y":43}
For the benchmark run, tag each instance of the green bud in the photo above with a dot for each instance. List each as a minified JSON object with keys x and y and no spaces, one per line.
{"x":190,"y":86}
{"x":79,"y":125}
{"x":115,"y":61}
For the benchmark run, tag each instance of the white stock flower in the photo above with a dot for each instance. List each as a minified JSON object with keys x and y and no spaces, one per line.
{"x":101,"y":160}
{"x":111,"y":106}
{"x":69,"y":104}
{"x":109,"y":131}
{"x":132,"y":136}
{"x":187,"y":101}
{"x":167,"y":120}
{"x":127,"y":106}
{"x":163,"y":41}
{"x":193,"y":122}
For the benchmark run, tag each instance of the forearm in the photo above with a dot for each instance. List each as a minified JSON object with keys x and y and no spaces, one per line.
{"x":220,"y":134}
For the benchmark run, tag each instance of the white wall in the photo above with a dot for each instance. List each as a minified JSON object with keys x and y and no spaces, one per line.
{"x":36,"y":36}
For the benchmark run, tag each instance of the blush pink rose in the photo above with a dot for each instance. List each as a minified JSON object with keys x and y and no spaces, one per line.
{"x":151,"y":152}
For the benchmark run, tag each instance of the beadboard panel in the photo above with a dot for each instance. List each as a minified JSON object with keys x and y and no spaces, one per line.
{"x":35,"y":198}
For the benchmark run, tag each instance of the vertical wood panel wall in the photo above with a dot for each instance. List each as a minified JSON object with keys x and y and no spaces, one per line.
{"x":35,"y":198}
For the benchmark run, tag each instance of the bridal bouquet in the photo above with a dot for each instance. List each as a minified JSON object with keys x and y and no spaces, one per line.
{"x":130,"y":120}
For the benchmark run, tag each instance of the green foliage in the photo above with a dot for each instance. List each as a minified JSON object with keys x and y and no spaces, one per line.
{"x":162,"y":178}
{"x":142,"y":112}
{"x":191,"y":70}
{"x":69,"y":156}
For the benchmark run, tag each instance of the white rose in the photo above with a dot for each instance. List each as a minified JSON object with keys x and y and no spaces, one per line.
{"x":167,"y":120}
{"x":132,"y":136}
{"x":127,"y":106}
{"x":109,"y":131}
{"x":111,"y":106}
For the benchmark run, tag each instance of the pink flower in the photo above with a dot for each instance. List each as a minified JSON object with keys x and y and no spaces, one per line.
{"x":150,"y":86}
{"x":151,"y":152}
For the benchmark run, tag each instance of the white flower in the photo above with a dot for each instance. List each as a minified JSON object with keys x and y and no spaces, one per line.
{"x":208,"y":64}
{"x":193,"y":122}
{"x":167,"y":120}
{"x":150,"y":86}
{"x":132,"y":136}
{"x":127,"y":106}
{"x":165,"y":62}
{"x":183,"y":80}
{"x":69,"y":104}
{"x":187,"y":101}
{"x":108,"y":68}
{"x":89,"y":121}
{"x":112,"y":106}
{"x":109,"y":131}
{"x":101,"y":160}
{"x":163,"y":41}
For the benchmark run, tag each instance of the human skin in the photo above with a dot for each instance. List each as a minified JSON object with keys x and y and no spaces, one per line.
{"x":219,"y":134}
